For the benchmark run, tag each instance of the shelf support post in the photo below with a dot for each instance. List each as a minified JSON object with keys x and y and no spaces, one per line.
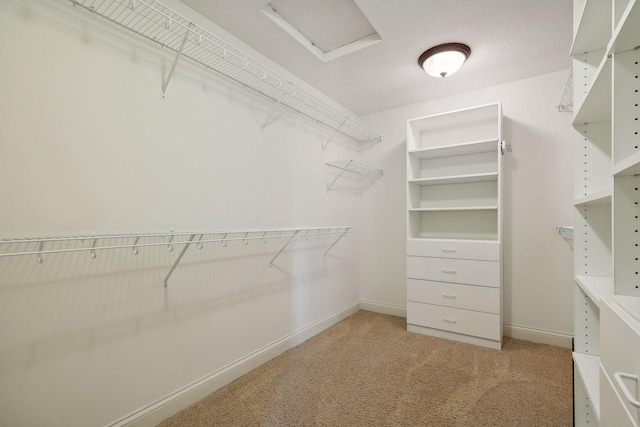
{"x":336,"y":241}
{"x":175,"y":264}
{"x":165,"y":84}
{"x":284,"y":247}
{"x":273,"y":110}
{"x":335,"y":132}
{"x":340,"y":174}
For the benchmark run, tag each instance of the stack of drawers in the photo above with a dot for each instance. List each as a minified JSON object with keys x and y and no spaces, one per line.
{"x":453,"y":290}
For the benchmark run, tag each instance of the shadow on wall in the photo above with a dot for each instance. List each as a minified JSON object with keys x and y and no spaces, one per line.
{"x":73,"y":302}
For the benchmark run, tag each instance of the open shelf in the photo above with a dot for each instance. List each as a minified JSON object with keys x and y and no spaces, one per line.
{"x":598,"y":198}
{"x":625,"y":36}
{"x":456,"y":179}
{"x":628,"y":166}
{"x":626,"y":225}
{"x":596,"y":106}
{"x":591,"y":30}
{"x":474,"y":147}
{"x":458,"y":224}
{"x":588,"y":368}
{"x":597,"y":288}
{"x":462,"y":208}
{"x":631,"y":305}
{"x":160,"y":24}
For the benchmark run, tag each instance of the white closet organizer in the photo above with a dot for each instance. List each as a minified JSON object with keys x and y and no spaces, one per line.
{"x":355,"y":168}
{"x":158,"y":23}
{"x":454,"y":218}
{"x":40,"y":247}
{"x":606,"y":78}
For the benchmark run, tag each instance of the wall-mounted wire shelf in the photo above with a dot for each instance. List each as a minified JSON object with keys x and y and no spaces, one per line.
{"x":39,"y":247}
{"x":353,"y":167}
{"x":158,"y":23}
{"x":566,"y":102}
{"x":566,"y":233}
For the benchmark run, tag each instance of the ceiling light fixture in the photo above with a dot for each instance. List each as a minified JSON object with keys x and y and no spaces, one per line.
{"x":445,"y":59}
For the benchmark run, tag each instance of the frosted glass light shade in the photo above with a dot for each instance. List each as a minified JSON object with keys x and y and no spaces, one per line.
{"x":444,"y":60}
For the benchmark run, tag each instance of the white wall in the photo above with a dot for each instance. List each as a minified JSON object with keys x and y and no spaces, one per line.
{"x":88,"y":145}
{"x":537,"y":198}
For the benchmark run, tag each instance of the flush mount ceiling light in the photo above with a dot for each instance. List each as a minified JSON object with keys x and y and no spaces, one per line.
{"x":445,"y":59}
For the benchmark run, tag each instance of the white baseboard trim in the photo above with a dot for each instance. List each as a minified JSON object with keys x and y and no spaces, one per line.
{"x":155,"y":413}
{"x":538,"y":335}
{"x":376,"y":307}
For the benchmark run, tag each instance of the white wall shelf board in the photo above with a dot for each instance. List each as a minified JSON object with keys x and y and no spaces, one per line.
{"x":590,"y":31}
{"x":625,"y":36}
{"x":629,"y":166}
{"x":597,"y":288}
{"x":597,"y":198}
{"x":589,"y":373}
{"x":457,"y":179}
{"x":160,"y":24}
{"x":481,"y":113}
{"x":631,"y":305}
{"x":456,"y":150}
{"x":468,"y":208}
{"x":596,"y":106}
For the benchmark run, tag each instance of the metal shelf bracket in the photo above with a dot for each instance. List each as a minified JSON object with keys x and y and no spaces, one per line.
{"x":178,"y":54}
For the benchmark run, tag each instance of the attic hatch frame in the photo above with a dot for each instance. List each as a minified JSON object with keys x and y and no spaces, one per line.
{"x":162,"y":25}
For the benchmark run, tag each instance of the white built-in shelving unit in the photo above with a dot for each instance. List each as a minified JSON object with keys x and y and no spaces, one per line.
{"x":606,"y":78}
{"x":164,"y":26}
{"x":454,"y":217}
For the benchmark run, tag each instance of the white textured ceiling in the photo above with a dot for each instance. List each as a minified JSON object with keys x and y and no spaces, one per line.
{"x":509,"y":40}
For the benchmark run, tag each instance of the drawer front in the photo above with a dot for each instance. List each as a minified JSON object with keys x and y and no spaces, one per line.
{"x":470,"y":272}
{"x":613,"y":411}
{"x":461,"y":249}
{"x":620,"y":351}
{"x":474,"y":323}
{"x":478,"y":298}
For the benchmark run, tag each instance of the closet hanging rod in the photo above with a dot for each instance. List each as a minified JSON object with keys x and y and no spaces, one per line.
{"x":160,"y":24}
{"x":226,"y":236}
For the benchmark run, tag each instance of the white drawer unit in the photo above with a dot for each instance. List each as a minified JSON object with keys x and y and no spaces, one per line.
{"x":467,"y":322}
{"x":454,"y":225}
{"x":461,"y":249}
{"x":471,"y":272}
{"x":478,"y":298}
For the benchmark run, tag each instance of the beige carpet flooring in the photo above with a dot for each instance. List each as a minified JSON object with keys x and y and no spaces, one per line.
{"x":369,"y":371}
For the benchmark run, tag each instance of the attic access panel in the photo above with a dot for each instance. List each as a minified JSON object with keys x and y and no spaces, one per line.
{"x":327,"y":28}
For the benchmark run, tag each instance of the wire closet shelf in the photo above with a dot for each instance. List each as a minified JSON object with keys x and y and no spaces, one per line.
{"x":566,"y":232}
{"x":39,"y":247}
{"x":158,"y":23}
{"x":353,"y":167}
